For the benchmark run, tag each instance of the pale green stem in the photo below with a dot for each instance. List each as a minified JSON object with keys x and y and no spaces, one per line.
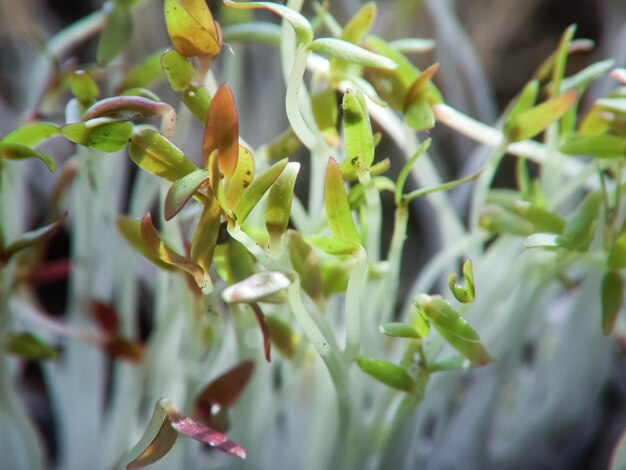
{"x":374,"y":216}
{"x":353,"y":310}
{"x":292,"y":100}
{"x":483,"y":183}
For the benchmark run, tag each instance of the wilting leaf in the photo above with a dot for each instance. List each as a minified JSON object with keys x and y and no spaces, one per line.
{"x":31,"y":238}
{"x":255,"y":191}
{"x":599,"y":146}
{"x":463,"y":294}
{"x":181,"y":191}
{"x":260,"y":287}
{"x":612,"y":293}
{"x":529,"y":123}
{"x":160,"y":249}
{"x":337,"y":207}
{"x":302,"y":28}
{"x":221,"y":132}
{"x":224,"y":391}
{"x":118,"y":28}
{"x":205,"y":236}
{"x":84,"y":87}
{"x":191,"y":28}
{"x":31,"y":134}
{"x":453,"y":328}
{"x":241,"y":178}
{"x":352,"y":53}
{"x":131,"y":231}
{"x":282,"y":336}
{"x":306,"y":264}
{"x":155,"y":154}
{"x":109,"y":137}
{"x":279,"y":201}
{"x":14,"y":151}
{"x":28,"y":346}
{"x":160,"y":435}
{"x":178,"y":70}
{"x":359,"y":140}
{"x":390,"y":374}
{"x":399,"y":330}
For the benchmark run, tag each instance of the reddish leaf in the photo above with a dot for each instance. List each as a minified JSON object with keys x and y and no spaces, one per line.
{"x":265,"y":330}
{"x":105,"y":316}
{"x":119,"y":347}
{"x":221,"y":132}
{"x":223,"y":391}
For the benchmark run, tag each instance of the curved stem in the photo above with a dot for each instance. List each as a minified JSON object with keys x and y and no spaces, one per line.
{"x":353,"y":308}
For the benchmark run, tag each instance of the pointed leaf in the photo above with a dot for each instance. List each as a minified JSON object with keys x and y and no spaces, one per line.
{"x":278,"y":210}
{"x":337,"y":207}
{"x":529,"y":123}
{"x":612,"y":295}
{"x":118,"y":28}
{"x":359,"y":24}
{"x":28,"y":346}
{"x":181,"y":191}
{"x":110,"y":137}
{"x":160,"y":249}
{"x":241,"y":178}
{"x":525,"y":101}
{"x":131,"y":231}
{"x":265,"y":330}
{"x":191,"y":28}
{"x":255,"y":191}
{"x":224,"y":391}
{"x":453,"y":328}
{"x":300,"y":25}
{"x":155,"y":154}
{"x":351,"y":53}
{"x":257,"y":288}
{"x":390,"y":374}
{"x":205,"y":236}
{"x":221,"y":132}
{"x":420,"y":85}
{"x":14,"y":151}
{"x":599,"y":146}
{"x":31,"y":238}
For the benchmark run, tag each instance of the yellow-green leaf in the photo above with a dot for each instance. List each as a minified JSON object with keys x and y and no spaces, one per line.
{"x":337,"y":207}
{"x":178,"y":70}
{"x":191,"y":28}
{"x":390,"y":374}
{"x":28,"y":346}
{"x":205,"y":236}
{"x":118,"y":28}
{"x":14,"y":151}
{"x":109,"y":137}
{"x":278,"y":209}
{"x":181,"y":191}
{"x":255,"y":191}
{"x":359,"y":140}
{"x":612,"y":292}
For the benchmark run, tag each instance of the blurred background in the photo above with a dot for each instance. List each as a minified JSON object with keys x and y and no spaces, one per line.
{"x":487,"y":50}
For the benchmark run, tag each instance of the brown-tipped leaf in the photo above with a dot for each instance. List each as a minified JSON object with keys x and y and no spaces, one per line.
{"x":191,"y":28}
{"x":221,"y":133}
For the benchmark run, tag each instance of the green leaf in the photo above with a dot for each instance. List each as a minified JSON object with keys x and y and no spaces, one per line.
{"x":420,"y":116}
{"x":31,"y":134}
{"x":399,"y":330}
{"x":529,"y":123}
{"x":118,"y":28}
{"x":599,"y":146}
{"x":617,"y":254}
{"x":130,"y":229}
{"x":28,"y":346}
{"x":257,"y":32}
{"x":155,"y":154}
{"x":359,"y":140}
{"x":351,"y":53}
{"x":163,"y":429}
{"x":420,"y":86}
{"x":260,"y":287}
{"x":333,"y":245}
{"x":178,"y":70}
{"x":110,"y":137}
{"x":31,"y":238}
{"x":157,"y":247}
{"x":144,"y":74}
{"x":560,"y":59}
{"x":305,"y":263}
{"x":197,"y":100}
{"x":542,"y":219}
{"x":465,"y":294}
{"x":338,"y":211}
{"x":390,"y":374}
{"x":181,"y":191}
{"x":453,"y":328}
{"x":14,"y":151}
{"x":191,"y":28}
{"x":586,"y":76}
{"x":324,"y":108}
{"x":278,"y":209}
{"x":580,"y":228}
{"x":300,"y":25}
{"x":241,"y":178}
{"x":449,"y":364}
{"x":524,"y":102}
{"x":284,"y":145}
{"x":255,"y":191}
{"x":84,"y":87}
{"x":495,"y":219}
{"x":282,"y":336}
{"x":205,"y":237}
{"x":612,"y":294}
{"x":359,"y":24}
